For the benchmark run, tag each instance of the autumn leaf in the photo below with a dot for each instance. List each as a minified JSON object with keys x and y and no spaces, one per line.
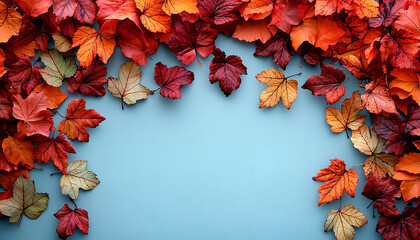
{"x":329,"y":83}
{"x":407,"y":82}
{"x":253,"y":30}
{"x":18,"y":151}
{"x":153,"y":17}
{"x":54,"y":95}
{"x":349,"y":115}
{"x":218,"y":11}
{"x":366,"y":141}
{"x":389,"y":10}
{"x":77,"y":119}
{"x":55,"y":149}
{"x":56,"y":67}
{"x":85,"y":11}
{"x":380,"y":165}
{"x":408,"y":171}
{"x":257,"y":9}
{"x":279,"y":46}
{"x":112,"y":11}
{"x":376,"y":99}
{"x":34,"y":7}
{"x":90,"y":80}
{"x":403,"y":226}
{"x":8,"y":178}
{"x":382,"y":193}
{"x":278,"y":87}
{"x":361,"y":68}
{"x":190,"y":39}
{"x":91,"y":44}
{"x":338,"y":179}
{"x":69,"y":219}
{"x":62,"y":43}
{"x":23,"y":74}
{"x":409,"y":19}
{"x":76,"y":177}
{"x":34,"y":115}
{"x":10,"y":22}
{"x":63,"y":9}
{"x":24,"y":200}
{"x":320,"y":33}
{"x":328,"y":7}
{"x":171,"y":79}
{"x":5,"y":107}
{"x":177,"y":6}
{"x":226,"y":70}
{"x":366,"y":8}
{"x":287,"y":13}
{"x":342,"y":222}
{"x":127,"y":87}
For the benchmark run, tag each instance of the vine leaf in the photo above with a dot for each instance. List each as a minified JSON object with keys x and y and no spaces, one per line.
{"x":349,"y":115}
{"x":90,"y":80}
{"x":24,"y":200}
{"x":279,"y":46}
{"x":171,"y":79}
{"x":128,"y":87}
{"x":77,"y":119}
{"x":56,"y":67}
{"x":342,"y":222}
{"x":218,"y":12}
{"x":226,"y":70}
{"x":70,"y":219}
{"x":76,"y":176}
{"x":278,"y":87}
{"x":338,"y":179}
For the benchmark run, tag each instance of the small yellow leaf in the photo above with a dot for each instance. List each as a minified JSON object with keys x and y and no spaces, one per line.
{"x":342,"y":222}
{"x":77,"y":177}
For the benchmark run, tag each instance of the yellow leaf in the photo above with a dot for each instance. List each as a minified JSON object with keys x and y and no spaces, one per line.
{"x":342,"y":222}
{"x":367,"y":141}
{"x":380,"y":165}
{"x":77,"y":177}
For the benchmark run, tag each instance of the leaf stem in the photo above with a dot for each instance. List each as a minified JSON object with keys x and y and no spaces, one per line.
{"x":356,"y":165}
{"x":294,"y":75}
{"x":56,"y":112}
{"x":122,"y":104}
{"x":347,"y":133}
{"x":55,"y":173}
{"x":73,"y":202}
{"x":20,"y":220}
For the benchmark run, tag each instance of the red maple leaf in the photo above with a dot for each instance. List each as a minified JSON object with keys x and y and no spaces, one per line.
{"x":23,"y":75}
{"x":389,"y":10}
{"x":81,"y":10}
{"x":329,"y":83}
{"x":287,"y":13}
{"x":36,"y":119}
{"x":279,"y":46}
{"x":382,"y":193}
{"x":190,"y":39}
{"x":226,"y":70}
{"x":218,"y":11}
{"x":170,"y":80}
{"x":55,"y":149}
{"x":405,"y":226}
{"x":90,"y":80}
{"x":69,"y":219}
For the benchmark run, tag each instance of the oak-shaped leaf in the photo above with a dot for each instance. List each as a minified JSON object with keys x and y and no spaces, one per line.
{"x":338,"y":179}
{"x":191,"y":39}
{"x":382,"y":193}
{"x":377,"y":99}
{"x":90,"y":80}
{"x":55,"y":149}
{"x":54,"y":95}
{"x":77,"y":119}
{"x":19,"y":152}
{"x":367,"y":141}
{"x":329,"y":83}
{"x":218,"y":12}
{"x":342,"y":222}
{"x":127,"y":87}
{"x":75,"y":177}
{"x":171,"y":79}
{"x":226,"y":70}
{"x":279,"y":46}
{"x":70,"y":219}
{"x":408,"y":171}
{"x":405,"y":226}
{"x":91,"y":44}
{"x":349,"y":115}
{"x":34,"y":115}
{"x":56,"y":67}
{"x":278,"y":87}
{"x":24,"y":200}
{"x":11,"y":22}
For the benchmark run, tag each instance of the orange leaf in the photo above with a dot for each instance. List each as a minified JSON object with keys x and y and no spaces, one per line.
{"x":10,"y":23}
{"x":348,"y":117}
{"x":328,"y":7}
{"x":366,"y":8}
{"x":153,"y":17}
{"x":92,"y":43}
{"x":34,"y":7}
{"x":18,"y":151}
{"x":409,"y":19}
{"x":408,"y":82}
{"x":408,"y":171}
{"x":177,"y":6}
{"x":380,"y":166}
{"x":54,"y":95}
{"x":110,"y":10}
{"x":257,"y":9}
{"x":376,"y":99}
{"x":253,"y":30}
{"x":338,"y":179}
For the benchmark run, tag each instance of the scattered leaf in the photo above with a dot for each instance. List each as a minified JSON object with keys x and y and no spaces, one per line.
{"x":69,"y":219}
{"x":342,"y":222}
{"x":171,"y":79}
{"x":75,"y":177}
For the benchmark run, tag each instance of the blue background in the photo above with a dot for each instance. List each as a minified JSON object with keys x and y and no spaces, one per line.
{"x":205,"y":167}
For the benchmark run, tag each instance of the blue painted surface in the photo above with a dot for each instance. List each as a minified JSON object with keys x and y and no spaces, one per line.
{"x":205,"y":167}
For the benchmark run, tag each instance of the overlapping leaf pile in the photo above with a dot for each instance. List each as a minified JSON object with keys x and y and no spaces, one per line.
{"x":378,"y":42}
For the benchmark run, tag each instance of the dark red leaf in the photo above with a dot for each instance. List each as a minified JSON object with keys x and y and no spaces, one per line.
{"x":69,"y":219}
{"x":389,"y":10}
{"x":25,"y":75}
{"x":382,"y":193}
{"x":226,"y":70}
{"x":218,"y":11}
{"x":55,"y":149}
{"x":89,"y":81}
{"x":190,"y":39}
{"x":401,"y":227}
{"x":413,"y":120}
{"x":329,"y":83}
{"x":64,"y":9}
{"x":172,"y":79}
{"x":279,"y":46}
{"x":85,"y":11}
{"x":5,"y":107}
